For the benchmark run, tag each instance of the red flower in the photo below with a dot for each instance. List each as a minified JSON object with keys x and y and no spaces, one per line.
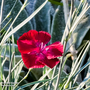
{"x":35,"y":53}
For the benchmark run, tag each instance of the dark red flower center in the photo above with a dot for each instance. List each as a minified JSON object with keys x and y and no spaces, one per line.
{"x":41,"y":46}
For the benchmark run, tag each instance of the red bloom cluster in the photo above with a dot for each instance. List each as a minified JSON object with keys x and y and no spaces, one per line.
{"x":35,"y":53}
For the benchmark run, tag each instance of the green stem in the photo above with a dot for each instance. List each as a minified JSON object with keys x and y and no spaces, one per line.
{"x":13,"y":63}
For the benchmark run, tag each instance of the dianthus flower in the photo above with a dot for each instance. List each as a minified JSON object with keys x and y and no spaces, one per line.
{"x":35,"y":53}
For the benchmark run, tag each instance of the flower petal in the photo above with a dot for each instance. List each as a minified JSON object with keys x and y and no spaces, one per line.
{"x":31,"y":60}
{"x":48,"y":62}
{"x":25,"y":46}
{"x":44,"y":37}
{"x":54,"y":50}
{"x":26,"y":41}
{"x":30,"y":35}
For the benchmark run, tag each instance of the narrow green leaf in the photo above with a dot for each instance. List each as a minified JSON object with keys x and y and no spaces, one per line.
{"x":29,"y":84}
